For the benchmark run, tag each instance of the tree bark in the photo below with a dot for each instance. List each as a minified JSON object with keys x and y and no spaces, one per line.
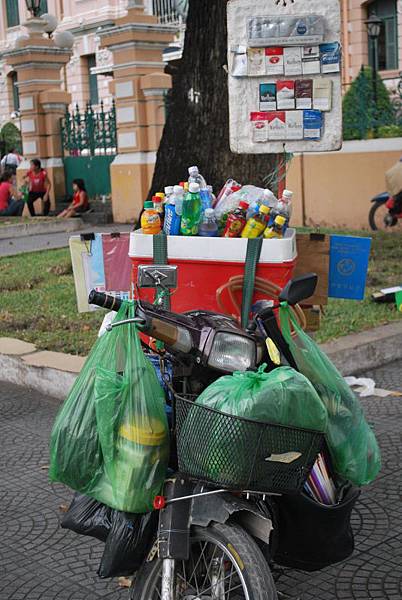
{"x":197,"y":125}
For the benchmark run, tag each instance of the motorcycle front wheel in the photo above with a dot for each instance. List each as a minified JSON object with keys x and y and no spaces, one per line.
{"x":379,"y":217}
{"x":224,"y":564}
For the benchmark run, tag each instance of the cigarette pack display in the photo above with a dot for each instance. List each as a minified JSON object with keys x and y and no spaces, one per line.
{"x":304,"y":93}
{"x":277,"y":30}
{"x":292,"y":59}
{"x":285,"y":94}
{"x":311,"y":60}
{"x":276,"y":125}
{"x":267,"y":96}
{"x":312,"y":124}
{"x":330,"y":57}
{"x":274,"y":61}
{"x":256,"y":61}
{"x":259,"y":126}
{"x":322,"y":94}
{"x":239,"y":61}
{"x":294,"y":125}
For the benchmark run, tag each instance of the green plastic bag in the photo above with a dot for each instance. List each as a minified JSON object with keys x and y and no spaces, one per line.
{"x":282,"y":396}
{"x":110,"y":439}
{"x":351,"y":441}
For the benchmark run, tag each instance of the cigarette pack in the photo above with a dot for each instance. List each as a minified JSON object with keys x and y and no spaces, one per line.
{"x":311,"y":60}
{"x":239,"y":61}
{"x":259,"y":126}
{"x":256,"y":61}
{"x":294,"y":125}
{"x":292,"y":59}
{"x":285,"y":94}
{"x":322,"y":94}
{"x":330,"y":57}
{"x":267,"y":96}
{"x":304,"y":93}
{"x":276,"y":125}
{"x":312,"y":124}
{"x":274,"y":61}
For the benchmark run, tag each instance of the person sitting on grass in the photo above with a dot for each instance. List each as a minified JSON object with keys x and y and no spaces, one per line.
{"x":39,"y":187}
{"x":80,"y":203}
{"x":10,"y":203}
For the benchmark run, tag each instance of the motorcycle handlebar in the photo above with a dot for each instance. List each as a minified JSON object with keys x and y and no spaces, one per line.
{"x":104,"y":300}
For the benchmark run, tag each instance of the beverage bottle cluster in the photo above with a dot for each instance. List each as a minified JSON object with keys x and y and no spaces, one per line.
{"x":191,"y":209}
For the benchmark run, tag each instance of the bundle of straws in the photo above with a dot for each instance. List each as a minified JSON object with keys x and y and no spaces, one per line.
{"x":319,"y":484}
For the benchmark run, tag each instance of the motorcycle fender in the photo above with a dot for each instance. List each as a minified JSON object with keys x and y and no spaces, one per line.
{"x":220,"y":508}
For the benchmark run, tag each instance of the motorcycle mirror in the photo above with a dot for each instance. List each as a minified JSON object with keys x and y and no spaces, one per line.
{"x":299,"y":288}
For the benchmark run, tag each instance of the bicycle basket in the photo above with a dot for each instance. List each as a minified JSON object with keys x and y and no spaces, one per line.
{"x":242,"y":454}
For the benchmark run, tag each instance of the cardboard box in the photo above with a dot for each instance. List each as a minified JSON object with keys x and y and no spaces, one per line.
{"x":259,"y":126}
{"x":285,"y":94}
{"x":304,"y":93}
{"x":256,"y":61}
{"x":276,"y":125}
{"x":311,"y":64}
{"x":312,"y":124}
{"x":294,"y":125}
{"x":267,"y":96}
{"x":330,"y":57}
{"x":274,"y":61}
{"x":292,"y":59}
{"x":322,"y":94}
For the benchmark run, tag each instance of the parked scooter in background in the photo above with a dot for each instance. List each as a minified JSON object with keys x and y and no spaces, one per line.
{"x":386,"y":212}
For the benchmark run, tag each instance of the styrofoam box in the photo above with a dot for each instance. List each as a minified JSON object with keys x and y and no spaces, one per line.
{"x":215,"y":249}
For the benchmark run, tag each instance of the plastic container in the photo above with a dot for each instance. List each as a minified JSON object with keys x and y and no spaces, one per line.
{"x":191,"y":214}
{"x":178,"y":195}
{"x":194,"y":176}
{"x":171,"y":223}
{"x":277,"y":228}
{"x":256,"y":225}
{"x":150,"y":220}
{"x":236,"y":221}
{"x":208,"y":226}
{"x":204,"y":266}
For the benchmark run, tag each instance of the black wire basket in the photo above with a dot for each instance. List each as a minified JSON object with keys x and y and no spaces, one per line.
{"x":242,"y":454}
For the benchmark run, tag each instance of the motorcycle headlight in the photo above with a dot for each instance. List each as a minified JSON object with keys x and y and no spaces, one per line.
{"x":232,"y":352}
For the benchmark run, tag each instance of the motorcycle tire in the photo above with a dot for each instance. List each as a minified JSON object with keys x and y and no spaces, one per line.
{"x":235,"y":547}
{"x":372,"y":217}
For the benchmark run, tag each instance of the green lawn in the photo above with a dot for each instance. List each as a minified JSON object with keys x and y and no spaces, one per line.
{"x":37,"y":299}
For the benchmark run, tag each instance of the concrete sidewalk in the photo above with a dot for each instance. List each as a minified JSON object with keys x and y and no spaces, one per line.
{"x":54,"y":373}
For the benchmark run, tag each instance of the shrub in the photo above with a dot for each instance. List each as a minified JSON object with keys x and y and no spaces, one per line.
{"x":360,"y":115}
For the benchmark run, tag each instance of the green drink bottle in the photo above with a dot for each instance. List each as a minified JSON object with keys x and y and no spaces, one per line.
{"x":191,"y":215}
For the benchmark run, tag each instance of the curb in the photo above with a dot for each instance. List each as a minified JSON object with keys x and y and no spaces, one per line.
{"x":351,"y":354}
{"x":38,"y":228}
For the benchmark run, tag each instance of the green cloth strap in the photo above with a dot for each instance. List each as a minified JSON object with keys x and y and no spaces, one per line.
{"x":160,"y":257}
{"x":254,"y":246}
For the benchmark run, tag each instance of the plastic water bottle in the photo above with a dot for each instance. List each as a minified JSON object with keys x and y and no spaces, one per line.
{"x":168,"y":193}
{"x":191,"y":214}
{"x":236,"y":221}
{"x":286,"y":203}
{"x":178,"y":195}
{"x":196,"y":177}
{"x":212,"y":195}
{"x":171,"y":224}
{"x":208,"y":226}
{"x":158,"y":205}
{"x":205,"y":199}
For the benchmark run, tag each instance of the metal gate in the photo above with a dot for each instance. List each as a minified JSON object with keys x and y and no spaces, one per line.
{"x":89,"y":144}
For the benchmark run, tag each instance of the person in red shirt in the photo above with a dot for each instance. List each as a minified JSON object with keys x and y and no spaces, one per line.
{"x":10,"y":204}
{"x":39,"y":187}
{"x":80,"y":203}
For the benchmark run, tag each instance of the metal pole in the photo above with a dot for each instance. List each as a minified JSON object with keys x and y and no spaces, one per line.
{"x":167,"y":591}
{"x":375,"y":95}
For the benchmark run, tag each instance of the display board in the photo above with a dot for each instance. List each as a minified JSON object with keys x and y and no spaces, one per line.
{"x":284,"y":65}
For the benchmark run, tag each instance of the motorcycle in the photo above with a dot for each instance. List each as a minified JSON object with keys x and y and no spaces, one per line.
{"x":212,"y":542}
{"x":385,"y":212}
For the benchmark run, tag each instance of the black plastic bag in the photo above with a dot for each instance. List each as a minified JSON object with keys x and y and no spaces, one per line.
{"x":87,"y":516}
{"x":128,"y":543}
{"x":313,"y":535}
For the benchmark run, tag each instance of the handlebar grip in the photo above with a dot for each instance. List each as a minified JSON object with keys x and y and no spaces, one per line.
{"x":104,"y":300}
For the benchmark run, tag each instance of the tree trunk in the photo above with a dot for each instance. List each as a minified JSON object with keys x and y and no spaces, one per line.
{"x":197,"y":126}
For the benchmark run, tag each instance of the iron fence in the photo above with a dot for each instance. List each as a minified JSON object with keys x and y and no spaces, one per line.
{"x":89,"y":133}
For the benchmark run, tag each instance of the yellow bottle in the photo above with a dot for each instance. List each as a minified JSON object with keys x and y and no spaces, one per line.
{"x":255,"y":225}
{"x":150,"y":220}
{"x":276,"y":230}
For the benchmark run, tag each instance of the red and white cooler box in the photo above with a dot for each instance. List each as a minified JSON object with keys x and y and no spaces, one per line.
{"x":207,"y":263}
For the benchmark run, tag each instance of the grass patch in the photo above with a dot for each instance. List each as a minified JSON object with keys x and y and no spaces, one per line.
{"x":37,"y":299}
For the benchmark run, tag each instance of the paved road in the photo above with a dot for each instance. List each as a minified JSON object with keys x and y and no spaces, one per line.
{"x":48,"y":241}
{"x":40,"y":561}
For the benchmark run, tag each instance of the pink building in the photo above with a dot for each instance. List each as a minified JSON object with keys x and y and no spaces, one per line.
{"x":90,"y":70}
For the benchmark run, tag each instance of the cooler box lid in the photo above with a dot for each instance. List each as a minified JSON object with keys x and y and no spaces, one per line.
{"x":215,"y":249}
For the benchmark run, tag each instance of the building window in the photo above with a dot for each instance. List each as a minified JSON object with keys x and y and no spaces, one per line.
{"x":16,"y":96}
{"x":92,"y":80}
{"x":13,"y":15}
{"x":388,"y":40}
{"x":43,"y":7}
